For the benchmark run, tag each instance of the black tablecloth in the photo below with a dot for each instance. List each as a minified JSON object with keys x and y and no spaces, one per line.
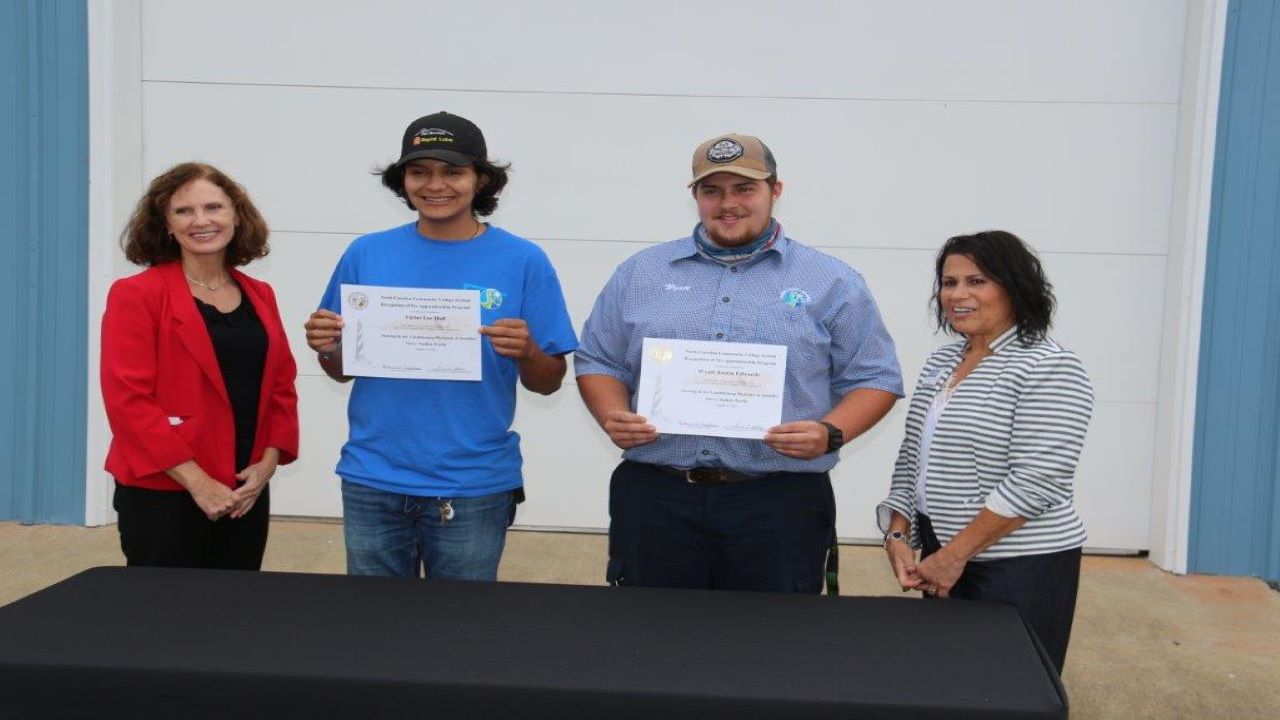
{"x":152,"y":642}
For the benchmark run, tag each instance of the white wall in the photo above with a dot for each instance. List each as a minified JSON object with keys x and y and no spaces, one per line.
{"x":895,"y":125}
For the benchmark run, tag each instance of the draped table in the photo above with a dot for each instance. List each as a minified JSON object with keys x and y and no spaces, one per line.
{"x":156,"y":642}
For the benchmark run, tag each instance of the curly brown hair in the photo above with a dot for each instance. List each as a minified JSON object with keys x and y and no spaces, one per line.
{"x":146,"y":239}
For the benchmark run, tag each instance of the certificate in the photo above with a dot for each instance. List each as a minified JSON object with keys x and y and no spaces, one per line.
{"x":410,"y":333}
{"x":690,"y":387}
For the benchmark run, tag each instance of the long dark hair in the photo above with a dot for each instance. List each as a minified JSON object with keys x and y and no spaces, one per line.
{"x":491,"y":178}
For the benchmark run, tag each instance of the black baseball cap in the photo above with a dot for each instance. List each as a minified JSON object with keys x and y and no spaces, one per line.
{"x":443,"y":136}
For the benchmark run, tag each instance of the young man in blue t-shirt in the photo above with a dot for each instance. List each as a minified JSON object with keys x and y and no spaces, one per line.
{"x":431,"y":472}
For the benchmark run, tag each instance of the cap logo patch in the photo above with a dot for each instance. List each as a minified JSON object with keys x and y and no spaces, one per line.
{"x":432,"y":135}
{"x":725,"y":151}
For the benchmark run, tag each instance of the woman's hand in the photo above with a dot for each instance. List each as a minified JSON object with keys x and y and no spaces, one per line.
{"x":213,"y":498}
{"x":255,"y":477}
{"x":940,"y":572}
{"x":324,"y":331}
{"x":902,"y":559}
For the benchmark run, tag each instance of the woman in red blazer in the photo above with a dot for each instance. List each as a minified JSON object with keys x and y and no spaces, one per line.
{"x":197,"y":378}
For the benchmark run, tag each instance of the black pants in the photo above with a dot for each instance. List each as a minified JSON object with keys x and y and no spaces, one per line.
{"x":1042,"y":587}
{"x":768,"y":534}
{"x":167,"y":529}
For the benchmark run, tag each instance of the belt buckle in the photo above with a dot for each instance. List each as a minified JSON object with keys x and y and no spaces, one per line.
{"x":704,"y":476}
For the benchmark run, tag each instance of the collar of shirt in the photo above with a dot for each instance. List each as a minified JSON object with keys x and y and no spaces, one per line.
{"x":1005,"y":339}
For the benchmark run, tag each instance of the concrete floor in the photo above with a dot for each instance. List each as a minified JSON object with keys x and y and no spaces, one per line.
{"x":1146,"y":644}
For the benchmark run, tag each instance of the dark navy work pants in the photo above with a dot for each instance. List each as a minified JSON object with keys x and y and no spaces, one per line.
{"x":770,"y":533}
{"x":1042,"y":587}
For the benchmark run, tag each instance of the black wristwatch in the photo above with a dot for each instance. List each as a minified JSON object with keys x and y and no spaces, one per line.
{"x":835,"y":437}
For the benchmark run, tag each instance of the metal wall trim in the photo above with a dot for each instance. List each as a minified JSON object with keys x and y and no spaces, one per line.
{"x":1235,"y":506}
{"x":43,"y":258}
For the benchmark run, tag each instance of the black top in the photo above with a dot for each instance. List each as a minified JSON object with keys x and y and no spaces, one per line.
{"x":240,"y":342}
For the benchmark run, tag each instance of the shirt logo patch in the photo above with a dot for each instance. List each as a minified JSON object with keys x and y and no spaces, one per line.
{"x":672,"y":287}
{"x":490,"y":298}
{"x":795,"y":297}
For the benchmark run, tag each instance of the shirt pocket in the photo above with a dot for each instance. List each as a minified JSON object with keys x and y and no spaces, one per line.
{"x":780,"y":324}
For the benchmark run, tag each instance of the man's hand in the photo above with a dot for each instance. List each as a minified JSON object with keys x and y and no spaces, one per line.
{"x":324,"y":330}
{"x":804,"y":439}
{"x":510,"y":338}
{"x":627,"y":429}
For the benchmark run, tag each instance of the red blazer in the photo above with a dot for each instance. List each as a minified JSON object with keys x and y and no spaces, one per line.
{"x":165,"y":399}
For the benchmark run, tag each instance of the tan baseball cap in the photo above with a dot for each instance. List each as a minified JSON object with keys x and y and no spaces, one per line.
{"x":733,"y":153}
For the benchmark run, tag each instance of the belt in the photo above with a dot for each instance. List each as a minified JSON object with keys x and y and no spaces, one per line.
{"x":708,"y":475}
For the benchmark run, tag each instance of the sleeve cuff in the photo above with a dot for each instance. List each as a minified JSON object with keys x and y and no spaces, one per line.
{"x":998,"y":505}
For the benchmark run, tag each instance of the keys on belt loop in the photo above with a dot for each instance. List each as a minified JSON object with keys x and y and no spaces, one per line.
{"x":446,"y":512}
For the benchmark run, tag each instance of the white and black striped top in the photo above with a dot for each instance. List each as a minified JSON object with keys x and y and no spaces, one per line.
{"x":1013,"y":429}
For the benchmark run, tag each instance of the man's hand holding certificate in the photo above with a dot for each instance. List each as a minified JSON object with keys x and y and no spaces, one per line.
{"x":411,"y":333}
{"x":690,"y":387}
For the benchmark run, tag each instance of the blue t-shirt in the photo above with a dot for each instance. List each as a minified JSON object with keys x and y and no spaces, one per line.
{"x":448,"y":438}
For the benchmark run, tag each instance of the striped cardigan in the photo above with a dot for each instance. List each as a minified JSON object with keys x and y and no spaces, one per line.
{"x":1014,"y":427}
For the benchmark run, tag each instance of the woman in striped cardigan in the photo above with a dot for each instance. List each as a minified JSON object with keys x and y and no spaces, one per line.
{"x":984,"y":480}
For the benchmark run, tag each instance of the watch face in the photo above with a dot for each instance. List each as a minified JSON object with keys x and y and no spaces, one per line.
{"x":835,"y":438}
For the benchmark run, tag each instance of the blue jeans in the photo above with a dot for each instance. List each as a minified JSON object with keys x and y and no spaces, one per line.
{"x":409,"y":536}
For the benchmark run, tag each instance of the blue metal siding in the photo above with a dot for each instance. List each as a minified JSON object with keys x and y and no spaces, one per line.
{"x":1235,"y":506}
{"x":44,"y":204}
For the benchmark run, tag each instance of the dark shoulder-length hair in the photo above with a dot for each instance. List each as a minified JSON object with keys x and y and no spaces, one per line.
{"x":1009,"y":262}
{"x":146,"y":239}
{"x":491,"y":178}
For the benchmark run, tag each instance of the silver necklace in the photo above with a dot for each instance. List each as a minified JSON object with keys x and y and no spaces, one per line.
{"x":210,"y":288}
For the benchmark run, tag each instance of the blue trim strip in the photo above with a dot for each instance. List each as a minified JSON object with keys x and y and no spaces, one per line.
{"x":44,"y":206}
{"x":1235,"y":506}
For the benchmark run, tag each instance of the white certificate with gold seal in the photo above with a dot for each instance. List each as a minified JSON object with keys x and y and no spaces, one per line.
{"x":412,"y":333}
{"x":719,"y":389}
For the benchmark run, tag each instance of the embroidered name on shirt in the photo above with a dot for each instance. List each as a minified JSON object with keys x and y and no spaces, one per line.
{"x":677,"y":288}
